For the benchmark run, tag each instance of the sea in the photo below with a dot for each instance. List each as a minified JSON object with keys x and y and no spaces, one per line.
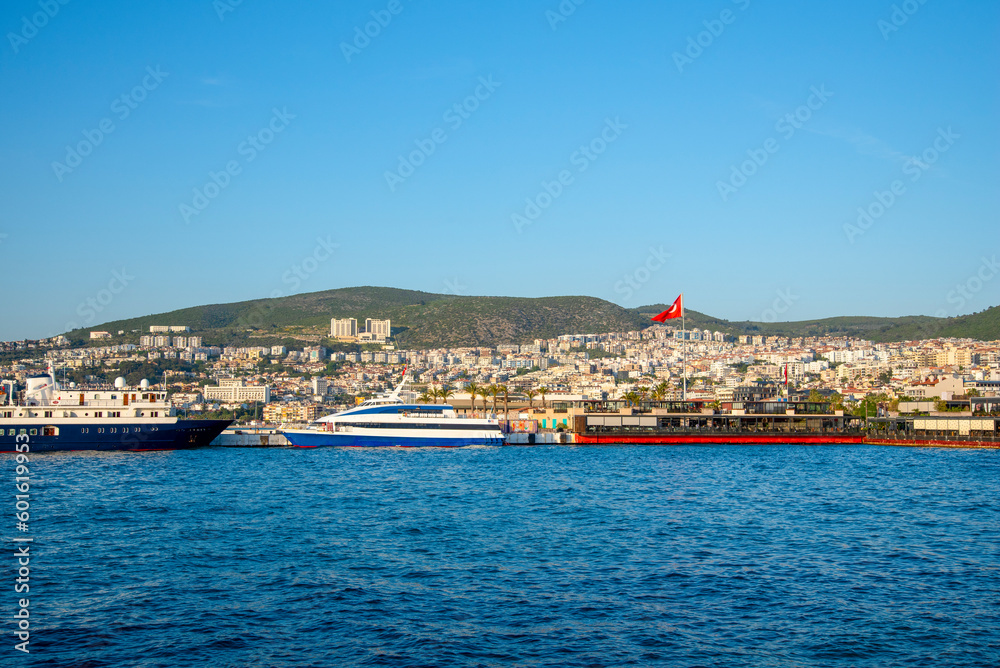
{"x":510,"y":556}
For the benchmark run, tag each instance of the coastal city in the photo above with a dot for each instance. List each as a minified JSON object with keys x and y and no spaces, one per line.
{"x":274,"y":385}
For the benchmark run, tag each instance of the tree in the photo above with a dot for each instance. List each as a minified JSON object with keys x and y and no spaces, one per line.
{"x":494,"y":390}
{"x":473,"y":389}
{"x":542,"y":391}
{"x":868,"y":407}
{"x":530,"y":395}
{"x":815,"y":396}
{"x":505,"y":391}
{"x":444,"y":393}
{"x":660,"y":391}
{"x":631,"y":398}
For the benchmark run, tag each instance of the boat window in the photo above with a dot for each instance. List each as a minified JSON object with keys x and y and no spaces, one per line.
{"x":34,"y":432}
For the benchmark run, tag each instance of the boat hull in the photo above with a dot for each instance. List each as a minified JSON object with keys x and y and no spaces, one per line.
{"x":320,"y":439}
{"x":180,"y":434}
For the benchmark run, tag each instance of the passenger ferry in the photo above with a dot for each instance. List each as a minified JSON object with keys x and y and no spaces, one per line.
{"x":52,"y":418}
{"x":388,"y":421}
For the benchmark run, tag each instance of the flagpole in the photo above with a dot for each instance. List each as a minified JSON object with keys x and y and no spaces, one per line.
{"x":684,"y":388}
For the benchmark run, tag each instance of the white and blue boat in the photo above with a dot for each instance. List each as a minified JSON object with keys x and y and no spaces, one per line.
{"x":388,"y":421}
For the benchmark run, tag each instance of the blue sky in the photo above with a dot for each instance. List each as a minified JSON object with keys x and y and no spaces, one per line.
{"x":349,"y":164}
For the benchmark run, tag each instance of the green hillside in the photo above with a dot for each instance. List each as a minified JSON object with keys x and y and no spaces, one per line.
{"x":984,"y":326}
{"x":427,"y":320}
{"x":419,"y":319}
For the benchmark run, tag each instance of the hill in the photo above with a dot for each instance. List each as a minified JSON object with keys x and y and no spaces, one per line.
{"x":419,"y":319}
{"x":428,"y":320}
{"x":984,"y":326}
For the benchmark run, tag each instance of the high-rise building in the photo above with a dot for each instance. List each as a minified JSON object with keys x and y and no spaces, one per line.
{"x":378,"y":330}
{"x":346,"y":328}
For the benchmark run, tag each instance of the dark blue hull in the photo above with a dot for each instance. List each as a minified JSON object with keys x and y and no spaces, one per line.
{"x":105,"y":437}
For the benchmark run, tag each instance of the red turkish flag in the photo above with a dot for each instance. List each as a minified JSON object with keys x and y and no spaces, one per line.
{"x":675,"y":311}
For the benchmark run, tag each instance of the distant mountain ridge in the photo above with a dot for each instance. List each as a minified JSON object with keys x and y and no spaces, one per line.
{"x":429,"y":320}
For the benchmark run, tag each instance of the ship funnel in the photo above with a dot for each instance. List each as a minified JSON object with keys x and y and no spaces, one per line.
{"x":38,"y":390}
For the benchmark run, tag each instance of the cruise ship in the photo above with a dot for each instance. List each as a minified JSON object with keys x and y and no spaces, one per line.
{"x":388,"y":421}
{"x":51,"y":418}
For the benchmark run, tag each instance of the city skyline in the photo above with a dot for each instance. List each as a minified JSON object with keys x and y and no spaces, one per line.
{"x":733,"y":151}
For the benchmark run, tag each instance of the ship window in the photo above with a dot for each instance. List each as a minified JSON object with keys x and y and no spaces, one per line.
{"x":113,"y":430}
{"x":99,"y":414}
{"x":24,"y":432}
{"x":114,"y":396}
{"x":50,"y":431}
{"x":155,"y":414}
{"x":34,"y":432}
{"x":48,"y":413}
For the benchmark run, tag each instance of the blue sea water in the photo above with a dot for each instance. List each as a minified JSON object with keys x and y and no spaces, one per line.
{"x":517,"y":556}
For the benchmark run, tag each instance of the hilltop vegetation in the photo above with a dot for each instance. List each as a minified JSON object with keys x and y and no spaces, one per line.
{"x":984,"y":326}
{"x":428,"y":320}
{"x":419,"y":319}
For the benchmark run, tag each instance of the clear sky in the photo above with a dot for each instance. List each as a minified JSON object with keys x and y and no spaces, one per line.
{"x":155,"y":156}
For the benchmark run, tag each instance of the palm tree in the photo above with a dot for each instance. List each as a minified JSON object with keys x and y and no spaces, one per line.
{"x":530,"y":394}
{"x":643,"y":392}
{"x":631,"y":397}
{"x":484,"y":392}
{"x":494,"y":390}
{"x":542,"y":391}
{"x":428,"y":396}
{"x":473,"y":389}
{"x":505,"y":391}
{"x":444,"y":393}
{"x":660,"y":391}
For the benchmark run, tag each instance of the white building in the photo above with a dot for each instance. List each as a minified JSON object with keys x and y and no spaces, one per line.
{"x":232,"y":390}
{"x":346,"y":328}
{"x":378,"y":330}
